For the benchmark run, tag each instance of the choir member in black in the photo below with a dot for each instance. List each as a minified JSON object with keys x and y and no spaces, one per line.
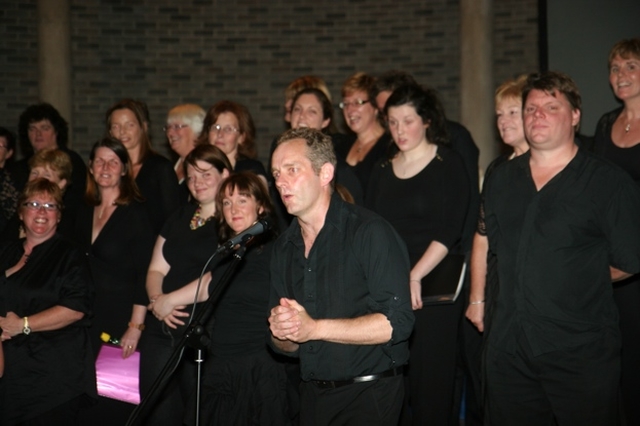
{"x":484,"y":279}
{"x":128,"y":121}
{"x":369,"y":142}
{"x":424,"y":192}
{"x":46,"y":296}
{"x":185,"y":243}
{"x":243,"y":383}
{"x":229,"y":126}
{"x":41,"y":127}
{"x":617,"y":138}
{"x":183,"y":128}
{"x":113,"y":229}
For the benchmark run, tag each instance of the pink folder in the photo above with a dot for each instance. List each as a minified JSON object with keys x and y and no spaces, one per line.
{"x":117,"y":378}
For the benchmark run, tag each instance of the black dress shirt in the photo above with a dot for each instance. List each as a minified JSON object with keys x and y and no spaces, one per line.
{"x":554,"y":247}
{"x":358,"y":265}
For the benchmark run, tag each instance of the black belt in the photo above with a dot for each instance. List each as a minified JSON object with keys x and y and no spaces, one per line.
{"x":332,"y":384}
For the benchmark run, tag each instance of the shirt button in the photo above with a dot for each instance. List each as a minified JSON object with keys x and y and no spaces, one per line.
{"x":309,"y":270}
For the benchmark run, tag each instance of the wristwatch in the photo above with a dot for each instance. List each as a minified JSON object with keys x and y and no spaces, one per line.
{"x":26,"y":329}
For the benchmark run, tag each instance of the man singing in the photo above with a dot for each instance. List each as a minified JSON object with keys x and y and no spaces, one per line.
{"x":339,"y":293}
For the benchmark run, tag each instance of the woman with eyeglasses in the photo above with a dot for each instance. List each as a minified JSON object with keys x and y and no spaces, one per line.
{"x":369,"y":141}
{"x":129,"y":122}
{"x":113,"y":229}
{"x":46,"y":298}
{"x":229,"y":126}
{"x":55,"y":166}
{"x":184,"y":125}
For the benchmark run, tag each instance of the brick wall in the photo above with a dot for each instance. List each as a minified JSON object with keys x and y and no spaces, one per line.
{"x":168,"y":52}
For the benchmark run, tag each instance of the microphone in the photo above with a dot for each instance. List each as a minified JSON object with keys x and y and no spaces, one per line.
{"x":260,"y":227}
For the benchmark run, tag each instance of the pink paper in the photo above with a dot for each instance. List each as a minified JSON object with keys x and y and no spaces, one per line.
{"x":117,"y":378}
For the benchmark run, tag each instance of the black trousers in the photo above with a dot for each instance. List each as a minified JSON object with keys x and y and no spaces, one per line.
{"x":577,"y":386}
{"x":375,"y":403}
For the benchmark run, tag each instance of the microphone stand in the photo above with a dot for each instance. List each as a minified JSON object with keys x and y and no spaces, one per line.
{"x":196,"y":336}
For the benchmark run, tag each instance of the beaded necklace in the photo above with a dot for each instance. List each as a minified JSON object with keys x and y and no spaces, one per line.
{"x":197,"y":220}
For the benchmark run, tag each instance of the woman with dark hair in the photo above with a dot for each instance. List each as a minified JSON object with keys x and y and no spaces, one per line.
{"x":46,"y":296}
{"x":369,"y":142}
{"x":41,"y":127}
{"x":229,"y":126}
{"x":617,"y":138}
{"x":128,"y":121}
{"x":423,"y":191}
{"x":113,"y":229}
{"x":243,"y":383}
{"x":185,"y":243}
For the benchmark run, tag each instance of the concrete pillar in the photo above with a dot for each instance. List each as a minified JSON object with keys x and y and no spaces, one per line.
{"x":476,"y":76}
{"x":54,"y":56}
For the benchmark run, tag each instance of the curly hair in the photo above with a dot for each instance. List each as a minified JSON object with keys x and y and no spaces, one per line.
{"x":39,"y":112}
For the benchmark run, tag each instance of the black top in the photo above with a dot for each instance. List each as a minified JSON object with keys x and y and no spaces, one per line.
{"x":381,"y":150}
{"x":158,"y":184}
{"x":358,"y":265}
{"x":235,"y":335}
{"x":554,"y":248}
{"x":430,"y":206}
{"x":46,"y":368}
{"x":250,"y":165}
{"x":460,"y":141}
{"x":627,"y":158}
{"x":186,"y":251}
{"x":119,"y":258}
{"x":481,"y":226}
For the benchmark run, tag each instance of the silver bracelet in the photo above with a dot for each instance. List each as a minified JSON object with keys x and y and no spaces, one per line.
{"x":479,"y":302}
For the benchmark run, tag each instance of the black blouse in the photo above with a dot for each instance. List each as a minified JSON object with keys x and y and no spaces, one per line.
{"x":45,"y":368}
{"x":159,"y":186}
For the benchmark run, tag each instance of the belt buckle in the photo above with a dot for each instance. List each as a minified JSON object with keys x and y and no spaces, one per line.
{"x":325,"y":384}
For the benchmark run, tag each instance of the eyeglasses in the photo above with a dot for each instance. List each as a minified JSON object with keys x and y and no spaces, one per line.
{"x":176,"y":127}
{"x":226,"y":130}
{"x":36,"y":206}
{"x":356,"y":103}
